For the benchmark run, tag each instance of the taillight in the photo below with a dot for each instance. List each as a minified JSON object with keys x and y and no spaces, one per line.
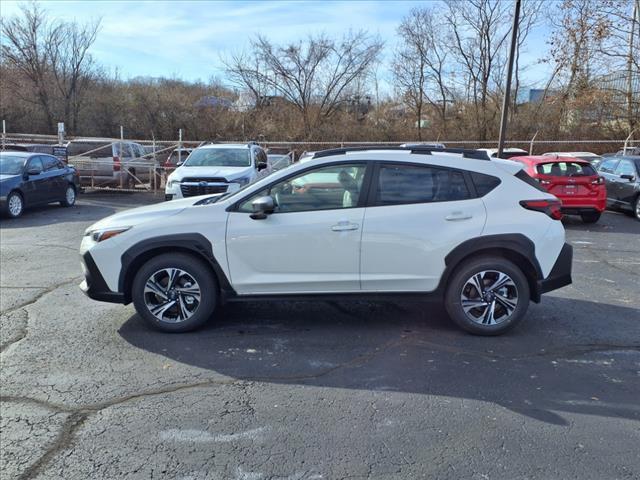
{"x":598,"y":181}
{"x":116,"y":164}
{"x":549,"y":207}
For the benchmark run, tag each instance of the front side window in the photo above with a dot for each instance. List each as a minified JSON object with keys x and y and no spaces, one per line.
{"x":405,"y":184}
{"x":325,"y":188}
{"x":609,"y":166}
{"x":35,"y":163}
{"x":219,"y":157}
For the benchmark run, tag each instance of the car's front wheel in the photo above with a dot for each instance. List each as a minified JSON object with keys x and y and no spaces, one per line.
{"x":174,"y":292}
{"x":15,"y":205}
{"x":487,"y":296}
{"x":636,"y":208}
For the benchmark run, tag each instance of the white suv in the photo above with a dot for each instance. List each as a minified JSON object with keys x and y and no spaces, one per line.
{"x":478,"y":234}
{"x":217,"y":168}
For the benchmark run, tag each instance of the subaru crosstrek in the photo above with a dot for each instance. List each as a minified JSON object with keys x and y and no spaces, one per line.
{"x":479,"y":234}
{"x":217,"y":168}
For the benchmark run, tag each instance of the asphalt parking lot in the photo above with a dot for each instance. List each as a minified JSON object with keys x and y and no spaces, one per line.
{"x":314,"y":390}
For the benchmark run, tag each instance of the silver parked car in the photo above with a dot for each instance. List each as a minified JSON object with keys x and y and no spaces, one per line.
{"x":108,"y":162}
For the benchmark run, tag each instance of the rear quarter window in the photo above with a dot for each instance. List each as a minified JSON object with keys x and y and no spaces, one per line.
{"x":484,"y":183}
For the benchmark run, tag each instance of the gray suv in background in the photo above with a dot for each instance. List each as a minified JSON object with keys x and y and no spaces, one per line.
{"x":110,"y":162}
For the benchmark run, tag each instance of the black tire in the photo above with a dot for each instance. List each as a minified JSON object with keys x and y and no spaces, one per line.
{"x":636,"y":208}
{"x":69,"y":199}
{"x":196,"y":270}
{"x":14,"y":205}
{"x":129,"y":181}
{"x":590,"y":217}
{"x":491,"y":265}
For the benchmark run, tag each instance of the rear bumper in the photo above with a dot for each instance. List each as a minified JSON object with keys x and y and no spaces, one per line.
{"x":94,"y":285}
{"x":580,"y":210}
{"x":560,"y":275}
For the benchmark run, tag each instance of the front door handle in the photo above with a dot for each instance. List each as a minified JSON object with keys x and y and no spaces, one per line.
{"x":344,"y":226}
{"x":456,"y":216}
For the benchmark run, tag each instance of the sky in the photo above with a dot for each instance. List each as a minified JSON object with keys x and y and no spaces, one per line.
{"x":189,"y":39}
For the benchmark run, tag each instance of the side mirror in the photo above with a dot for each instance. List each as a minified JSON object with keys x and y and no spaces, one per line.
{"x":631,"y":178}
{"x":261,"y":166}
{"x":179,"y":164}
{"x":34,"y":171}
{"x":262,"y":206}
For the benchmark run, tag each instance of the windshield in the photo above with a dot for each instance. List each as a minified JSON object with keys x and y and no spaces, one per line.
{"x":219,"y":157}
{"x":11,"y":165}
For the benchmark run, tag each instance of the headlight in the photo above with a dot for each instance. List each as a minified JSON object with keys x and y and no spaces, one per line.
{"x":241,"y":181}
{"x":172,"y":183}
{"x":106,"y":233}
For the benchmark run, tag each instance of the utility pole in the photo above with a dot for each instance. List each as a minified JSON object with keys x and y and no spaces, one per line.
{"x":507,"y":90}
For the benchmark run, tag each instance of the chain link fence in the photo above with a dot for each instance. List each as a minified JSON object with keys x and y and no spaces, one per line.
{"x":143,"y":165}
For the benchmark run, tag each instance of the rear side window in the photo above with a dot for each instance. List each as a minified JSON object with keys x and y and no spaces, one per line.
{"x":524,"y":176}
{"x":49,"y":163}
{"x":625,"y":168}
{"x":484,"y":183}
{"x":405,"y":184}
{"x":566,"y":169}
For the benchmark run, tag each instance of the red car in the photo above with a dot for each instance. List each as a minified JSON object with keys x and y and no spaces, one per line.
{"x":574,"y":181}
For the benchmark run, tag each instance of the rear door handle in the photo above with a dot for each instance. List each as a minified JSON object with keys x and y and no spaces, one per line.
{"x":344,"y":226}
{"x":456,"y":216}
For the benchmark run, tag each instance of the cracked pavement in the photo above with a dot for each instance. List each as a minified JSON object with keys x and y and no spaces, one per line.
{"x":311,"y":390}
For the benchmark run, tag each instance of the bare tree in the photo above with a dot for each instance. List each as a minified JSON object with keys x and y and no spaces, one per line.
{"x":53,"y":57}
{"x":312,"y":75}
{"x":479,"y":30}
{"x":24,"y":41}
{"x":71,"y":64}
{"x":419,"y":65}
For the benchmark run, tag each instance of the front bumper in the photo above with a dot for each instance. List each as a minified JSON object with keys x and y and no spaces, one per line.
{"x":560,"y":275}
{"x":94,"y":285}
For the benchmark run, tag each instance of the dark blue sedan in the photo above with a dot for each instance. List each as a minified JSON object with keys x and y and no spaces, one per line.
{"x":28,"y":179}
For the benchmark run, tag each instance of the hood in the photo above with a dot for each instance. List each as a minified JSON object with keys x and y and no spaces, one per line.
{"x":136,"y":216}
{"x":229,"y":173}
{"x":4,"y":177}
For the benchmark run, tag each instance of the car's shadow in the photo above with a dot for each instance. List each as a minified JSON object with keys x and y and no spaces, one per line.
{"x":50,"y":214}
{"x":550,"y":364}
{"x":610,"y":222}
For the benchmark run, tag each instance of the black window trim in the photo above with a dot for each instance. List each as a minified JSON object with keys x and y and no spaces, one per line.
{"x":373,"y":186}
{"x":362,"y":200}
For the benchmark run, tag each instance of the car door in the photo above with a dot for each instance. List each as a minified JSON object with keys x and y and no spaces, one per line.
{"x":35,"y":187}
{"x":310,"y":244}
{"x":607,"y":170}
{"x":625,"y":187}
{"x":416,"y":215}
{"x":54,"y":178}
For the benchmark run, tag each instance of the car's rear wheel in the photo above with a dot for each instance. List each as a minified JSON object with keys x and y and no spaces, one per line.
{"x":590,"y":217}
{"x":174,"y":292}
{"x":15,"y":205}
{"x":487,"y":296}
{"x":69,"y":197}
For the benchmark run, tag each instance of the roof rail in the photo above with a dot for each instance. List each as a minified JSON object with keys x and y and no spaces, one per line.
{"x":421,"y":150}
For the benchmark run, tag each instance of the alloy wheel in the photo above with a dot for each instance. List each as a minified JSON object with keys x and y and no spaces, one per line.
{"x":172,"y":295}
{"x":15,"y":205}
{"x":489,"y":297}
{"x":70,"y":195}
